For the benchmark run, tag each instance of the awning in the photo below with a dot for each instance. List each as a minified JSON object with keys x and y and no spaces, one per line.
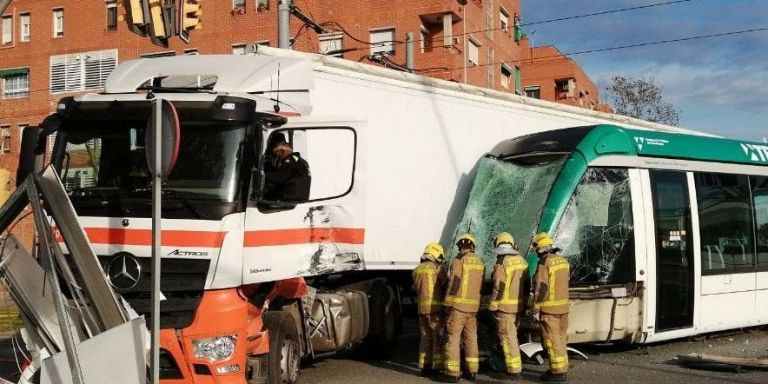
{"x":13,"y":72}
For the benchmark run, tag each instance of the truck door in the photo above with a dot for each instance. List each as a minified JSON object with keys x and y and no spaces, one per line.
{"x":305,"y":223}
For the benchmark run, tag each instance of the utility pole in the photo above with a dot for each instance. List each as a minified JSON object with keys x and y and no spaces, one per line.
{"x":284,"y":24}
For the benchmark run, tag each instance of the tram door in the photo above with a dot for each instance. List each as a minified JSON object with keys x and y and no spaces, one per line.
{"x":674,"y":250}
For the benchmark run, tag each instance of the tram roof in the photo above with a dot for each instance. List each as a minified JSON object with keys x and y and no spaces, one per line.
{"x":601,"y":140}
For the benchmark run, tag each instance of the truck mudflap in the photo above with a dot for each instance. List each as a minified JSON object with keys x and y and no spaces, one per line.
{"x":338,"y":320}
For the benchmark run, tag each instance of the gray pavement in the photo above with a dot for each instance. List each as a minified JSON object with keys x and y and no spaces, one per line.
{"x":607,"y":364}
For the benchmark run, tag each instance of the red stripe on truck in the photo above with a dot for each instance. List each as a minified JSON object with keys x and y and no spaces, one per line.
{"x":171,"y":238}
{"x":303,"y":236}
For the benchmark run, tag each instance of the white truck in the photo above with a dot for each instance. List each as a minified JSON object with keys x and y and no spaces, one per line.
{"x":251,"y":286}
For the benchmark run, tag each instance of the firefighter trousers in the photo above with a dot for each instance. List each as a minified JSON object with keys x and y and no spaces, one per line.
{"x":461,"y":327}
{"x":431,"y":341}
{"x":554,"y":332}
{"x":507,"y":331}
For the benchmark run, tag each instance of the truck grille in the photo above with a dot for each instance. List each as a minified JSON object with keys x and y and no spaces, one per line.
{"x":182,"y":284}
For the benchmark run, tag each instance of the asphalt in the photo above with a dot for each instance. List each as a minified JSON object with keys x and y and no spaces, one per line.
{"x":606,"y":364}
{"x":623,"y":364}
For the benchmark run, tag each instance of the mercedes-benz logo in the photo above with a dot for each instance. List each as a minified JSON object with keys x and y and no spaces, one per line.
{"x":124,"y":271}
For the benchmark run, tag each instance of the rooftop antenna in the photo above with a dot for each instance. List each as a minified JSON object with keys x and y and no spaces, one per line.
{"x":277,"y":97}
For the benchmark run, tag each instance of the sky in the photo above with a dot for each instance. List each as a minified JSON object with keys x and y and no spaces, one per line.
{"x":719,"y":84}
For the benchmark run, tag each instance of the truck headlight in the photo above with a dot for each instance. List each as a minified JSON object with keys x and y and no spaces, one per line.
{"x":215,"y":348}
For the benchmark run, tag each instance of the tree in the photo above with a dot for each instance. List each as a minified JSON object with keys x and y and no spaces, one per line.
{"x":642,"y":99}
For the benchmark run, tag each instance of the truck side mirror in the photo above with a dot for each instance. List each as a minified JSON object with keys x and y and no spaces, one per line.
{"x":28,"y":162}
{"x":171,"y":136}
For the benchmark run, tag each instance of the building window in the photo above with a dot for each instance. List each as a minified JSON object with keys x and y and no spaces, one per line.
{"x":238,"y":49}
{"x":238,"y":6}
{"x":81,"y":71}
{"x":506,"y":75}
{"x":518,"y":81}
{"x":111,"y":14}
{"x":331,"y":44}
{"x":5,"y":132}
{"x":15,"y":83}
{"x":383,"y":41}
{"x":191,"y":51}
{"x":7,"y":30}
{"x":154,"y":55}
{"x":51,"y":141}
{"x":58,"y":22}
{"x":472,"y":51}
{"x":503,"y":19}
{"x":533,"y":92}
{"x":262,"y":5}
{"x":25,"y":26}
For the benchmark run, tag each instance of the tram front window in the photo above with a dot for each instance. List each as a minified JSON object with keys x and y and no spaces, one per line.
{"x":596,"y":232}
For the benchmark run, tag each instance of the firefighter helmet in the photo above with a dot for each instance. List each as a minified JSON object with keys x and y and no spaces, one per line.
{"x":543,"y":243}
{"x":504,"y":244}
{"x":435,"y":251}
{"x":466,"y":240}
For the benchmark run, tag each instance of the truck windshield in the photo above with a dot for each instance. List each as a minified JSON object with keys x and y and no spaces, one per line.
{"x":105,"y":170}
{"x":508,"y":195}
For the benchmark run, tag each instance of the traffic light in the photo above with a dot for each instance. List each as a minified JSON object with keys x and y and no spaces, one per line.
{"x":138,"y":10}
{"x":161,"y":21}
{"x":189,"y":18}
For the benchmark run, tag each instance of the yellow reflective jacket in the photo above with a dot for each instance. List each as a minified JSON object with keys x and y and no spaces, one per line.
{"x":510,"y":284}
{"x":550,"y":285}
{"x":464,"y":282}
{"x":429,"y":286}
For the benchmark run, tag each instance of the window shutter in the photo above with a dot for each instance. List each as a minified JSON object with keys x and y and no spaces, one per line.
{"x":82,"y":71}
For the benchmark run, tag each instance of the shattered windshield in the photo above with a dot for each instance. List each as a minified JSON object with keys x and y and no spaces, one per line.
{"x":507,"y":196}
{"x":105,"y":169}
{"x":596,"y":230}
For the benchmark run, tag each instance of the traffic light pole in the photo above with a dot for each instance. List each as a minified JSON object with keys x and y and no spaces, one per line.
{"x":284,"y":24}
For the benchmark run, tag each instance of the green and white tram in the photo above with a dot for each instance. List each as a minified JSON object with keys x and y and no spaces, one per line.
{"x":667,"y":234}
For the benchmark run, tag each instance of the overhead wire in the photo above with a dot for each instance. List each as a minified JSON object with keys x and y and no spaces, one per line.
{"x":564,"y":56}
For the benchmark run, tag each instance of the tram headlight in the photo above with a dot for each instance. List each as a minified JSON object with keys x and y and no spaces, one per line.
{"x":216,"y":348}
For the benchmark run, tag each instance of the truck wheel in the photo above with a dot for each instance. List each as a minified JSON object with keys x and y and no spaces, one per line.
{"x":284,"y":350}
{"x":386,"y":308}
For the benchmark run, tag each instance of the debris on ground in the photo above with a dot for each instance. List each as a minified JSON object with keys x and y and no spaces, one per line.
{"x":717,"y":362}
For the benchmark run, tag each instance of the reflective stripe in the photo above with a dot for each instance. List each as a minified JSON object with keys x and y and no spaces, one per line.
{"x":512,"y":266}
{"x":452,"y":366}
{"x":460,"y":300}
{"x":430,"y":275}
{"x":465,"y":269}
{"x":472,"y":359}
{"x":422,"y":358}
{"x":551,"y":302}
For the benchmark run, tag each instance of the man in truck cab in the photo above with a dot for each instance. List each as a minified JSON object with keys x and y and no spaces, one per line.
{"x":429,"y":284}
{"x":550,"y":299}
{"x":462,"y":303}
{"x":287,"y":175}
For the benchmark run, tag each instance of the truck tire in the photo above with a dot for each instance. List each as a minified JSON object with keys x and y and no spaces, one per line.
{"x":384,"y":344}
{"x":284,"y":348}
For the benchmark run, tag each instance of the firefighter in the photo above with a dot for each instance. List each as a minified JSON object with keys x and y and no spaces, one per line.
{"x":462,"y":302}
{"x":510,"y":286}
{"x":550,"y":296}
{"x":429,"y":285}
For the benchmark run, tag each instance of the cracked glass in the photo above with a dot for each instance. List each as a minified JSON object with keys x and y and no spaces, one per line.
{"x":507,"y":196}
{"x":596,"y":230}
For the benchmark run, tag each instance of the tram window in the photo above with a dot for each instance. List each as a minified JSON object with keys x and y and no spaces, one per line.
{"x":596,"y":232}
{"x":760,"y":198}
{"x":725,"y":223}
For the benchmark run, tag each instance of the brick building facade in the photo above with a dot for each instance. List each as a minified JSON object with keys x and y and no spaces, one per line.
{"x":549,"y":75}
{"x":56,"y":48}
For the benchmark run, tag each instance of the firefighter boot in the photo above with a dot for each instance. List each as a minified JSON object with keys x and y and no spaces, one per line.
{"x":549,"y":377}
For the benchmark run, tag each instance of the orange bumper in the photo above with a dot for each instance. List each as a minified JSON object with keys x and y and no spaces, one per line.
{"x":223,"y":312}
